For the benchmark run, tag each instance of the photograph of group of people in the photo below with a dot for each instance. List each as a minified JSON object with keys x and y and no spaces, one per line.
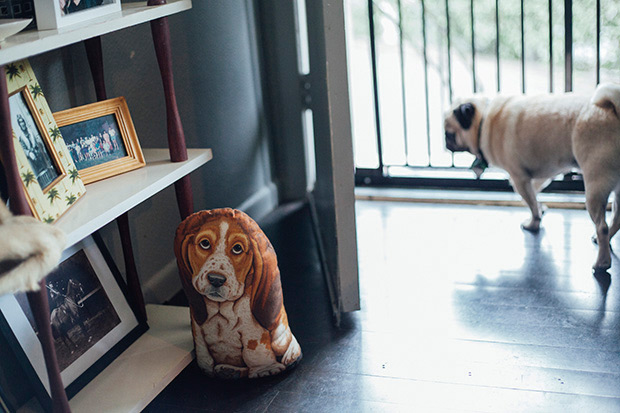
{"x":94,"y":141}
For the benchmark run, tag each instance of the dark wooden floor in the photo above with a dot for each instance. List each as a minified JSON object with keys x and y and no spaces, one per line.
{"x":461,"y":311}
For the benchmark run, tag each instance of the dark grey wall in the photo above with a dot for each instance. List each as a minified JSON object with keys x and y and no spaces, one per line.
{"x":220,"y":98}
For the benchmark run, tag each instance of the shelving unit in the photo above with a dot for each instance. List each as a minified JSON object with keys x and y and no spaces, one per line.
{"x":34,"y":42}
{"x":106,"y":200}
{"x":159,"y":355}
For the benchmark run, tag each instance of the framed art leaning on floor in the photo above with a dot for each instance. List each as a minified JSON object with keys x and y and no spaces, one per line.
{"x":92,"y":322}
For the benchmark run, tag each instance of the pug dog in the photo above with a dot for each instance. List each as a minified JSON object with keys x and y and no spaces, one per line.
{"x":535,"y":138}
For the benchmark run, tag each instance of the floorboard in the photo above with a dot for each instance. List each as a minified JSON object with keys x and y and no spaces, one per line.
{"x":461,"y":311}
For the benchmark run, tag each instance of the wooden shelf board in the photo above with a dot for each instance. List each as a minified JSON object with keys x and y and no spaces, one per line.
{"x":34,"y":42}
{"x":105,"y":200}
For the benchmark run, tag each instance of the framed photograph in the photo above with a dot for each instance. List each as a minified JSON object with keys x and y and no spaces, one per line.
{"x":56,"y":14}
{"x":51,"y":181}
{"x":92,"y":322}
{"x":101,"y":139}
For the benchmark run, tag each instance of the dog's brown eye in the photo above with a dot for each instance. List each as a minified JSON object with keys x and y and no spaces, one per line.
{"x":205,"y":244}
{"x":237,"y":249}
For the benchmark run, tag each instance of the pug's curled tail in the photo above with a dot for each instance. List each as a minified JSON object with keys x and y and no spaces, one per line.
{"x":607,"y":96}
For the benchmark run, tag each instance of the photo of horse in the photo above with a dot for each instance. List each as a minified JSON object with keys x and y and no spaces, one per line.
{"x":81,"y":313}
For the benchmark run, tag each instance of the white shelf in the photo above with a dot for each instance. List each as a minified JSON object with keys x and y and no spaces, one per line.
{"x":34,"y":42}
{"x":107,"y":199}
{"x":133,"y":380}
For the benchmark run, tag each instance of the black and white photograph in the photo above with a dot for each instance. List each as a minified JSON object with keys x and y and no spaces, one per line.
{"x":94,"y":142}
{"x":31,"y":139}
{"x":90,"y":317}
{"x":80,"y":311}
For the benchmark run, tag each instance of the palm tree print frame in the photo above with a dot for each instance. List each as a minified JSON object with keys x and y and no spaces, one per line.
{"x":51,"y":181}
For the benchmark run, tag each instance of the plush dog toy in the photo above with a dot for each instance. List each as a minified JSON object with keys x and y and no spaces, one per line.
{"x":29,"y":250}
{"x":230,"y":275}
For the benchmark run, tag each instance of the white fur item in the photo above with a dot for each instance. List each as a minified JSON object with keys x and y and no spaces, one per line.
{"x":29,"y":250}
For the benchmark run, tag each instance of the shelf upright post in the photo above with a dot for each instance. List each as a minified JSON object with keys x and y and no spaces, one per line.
{"x":95,"y":61}
{"x":176,"y":138}
{"x":37,"y":299}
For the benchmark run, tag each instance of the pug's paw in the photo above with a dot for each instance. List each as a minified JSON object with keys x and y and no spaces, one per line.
{"x":533,"y":225}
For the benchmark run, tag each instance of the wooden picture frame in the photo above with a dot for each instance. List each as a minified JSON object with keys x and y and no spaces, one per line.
{"x":51,"y":181}
{"x":101,"y":139}
{"x":56,"y":14}
{"x":91,"y":318}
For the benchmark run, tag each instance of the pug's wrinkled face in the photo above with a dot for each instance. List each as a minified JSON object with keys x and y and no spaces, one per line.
{"x":461,"y":125}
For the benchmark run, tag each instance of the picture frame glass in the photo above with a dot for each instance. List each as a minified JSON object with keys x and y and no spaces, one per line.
{"x":94,"y":142}
{"x":68,"y":7}
{"x":26,"y":127}
{"x":91,"y":320}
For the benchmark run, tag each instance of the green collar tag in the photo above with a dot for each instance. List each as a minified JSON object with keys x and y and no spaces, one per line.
{"x":479,"y":165}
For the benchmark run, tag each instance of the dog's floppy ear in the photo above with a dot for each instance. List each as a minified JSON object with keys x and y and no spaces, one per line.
{"x":266,"y":294}
{"x":465,"y":114}
{"x":184,"y":237}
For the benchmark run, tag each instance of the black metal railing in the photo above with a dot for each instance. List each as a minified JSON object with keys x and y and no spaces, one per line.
{"x":412,"y":25}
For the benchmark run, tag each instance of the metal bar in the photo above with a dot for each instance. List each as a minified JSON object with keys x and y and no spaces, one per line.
{"x":428,"y":120}
{"x":402,"y":83}
{"x":455,"y":183}
{"x":449,"y":52}
{"x":373,"y":54}
{"x":568,"y":45}
{"x":523,"y":46}
{"x":450,"y":93}
{"x":550,"y":46}
{"x":473,"y":46}
{"x":598,"y":41}
{"x":497,"y":44}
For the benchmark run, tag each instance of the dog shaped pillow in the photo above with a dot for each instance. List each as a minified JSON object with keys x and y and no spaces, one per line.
{"x":230,"y":275}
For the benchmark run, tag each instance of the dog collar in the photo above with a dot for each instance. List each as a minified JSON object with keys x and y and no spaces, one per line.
{"x":480,"y":163}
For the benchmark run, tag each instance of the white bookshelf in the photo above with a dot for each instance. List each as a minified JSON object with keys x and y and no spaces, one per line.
{"x":132,"y":380}
{"x":34,"y":42}
{"x":108,"y":199}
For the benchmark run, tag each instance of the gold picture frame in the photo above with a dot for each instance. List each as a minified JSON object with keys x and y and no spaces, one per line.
{"x":101,"y":138}
{"x":51,"y":181}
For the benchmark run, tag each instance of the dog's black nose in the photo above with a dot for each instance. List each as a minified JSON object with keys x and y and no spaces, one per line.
{"x":216,"y":280}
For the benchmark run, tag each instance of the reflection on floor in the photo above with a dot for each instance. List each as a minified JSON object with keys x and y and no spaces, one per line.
{"x":461,"y":311}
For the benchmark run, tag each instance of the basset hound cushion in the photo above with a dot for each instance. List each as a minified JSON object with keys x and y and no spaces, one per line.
{"x":230,"y":275}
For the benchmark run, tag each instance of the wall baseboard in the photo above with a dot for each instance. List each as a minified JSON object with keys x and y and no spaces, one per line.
{"x":165,"y":283}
